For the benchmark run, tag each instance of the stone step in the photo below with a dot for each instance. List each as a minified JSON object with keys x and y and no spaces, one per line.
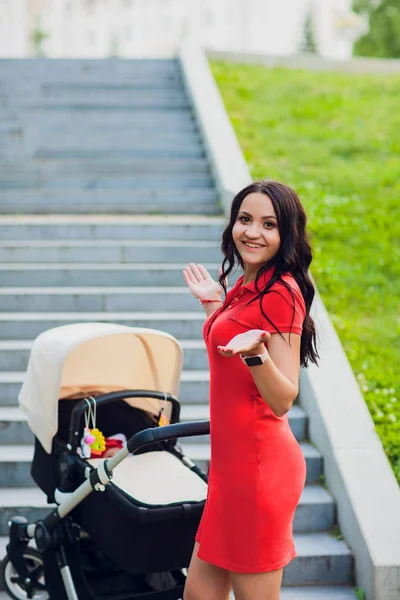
{"x":153,"y":122}
{"x":110,"y":144}
{"x":84,"y":92}
{"x":14,"y":354}
{"x":153,"y":149}
{"x":196,"y":201}
{"x":153,"y":125}
{"x":321,"y":560}
{"x":143,"y":98}
{"x":49,"y":299}
{"x":121,"y":207}
{"x":139,"y":146}
{"x":71,"y":87}
{"x":44,"y":84}
{"x":111,"y":227}
{"x":61,"y":69}
{"x":296,"y":593}
{"x":9,"y":181}
{"x":81,"y":86}
{"x":76,"y":87}
{"x":97,"y":138}
{"x":289,"y":592}
{"x":187,"y":325}
{"x":334,"y":592}
{"x":51,"y":84}
{"x":194,"y":387}
{"x":54,"y":94}
{"x":315,"y":511}
{"x":14,"y":428}
{"x":135,"y":168}
{"x":94,"y":274}
{"x":77,"y":84}
{"x":161,"y":145}
{"x":109,"y":251}
{"x":164,"y":102}
{"x":39,"y":119}
{"x":15,"y":462}
{"x":10,"y":126}
{"x":149,"y":152}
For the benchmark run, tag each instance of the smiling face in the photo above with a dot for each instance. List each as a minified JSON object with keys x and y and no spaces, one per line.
{"x":255,"y":232}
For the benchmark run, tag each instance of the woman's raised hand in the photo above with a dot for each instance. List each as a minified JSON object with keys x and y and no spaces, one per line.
{"x":201,"y":284}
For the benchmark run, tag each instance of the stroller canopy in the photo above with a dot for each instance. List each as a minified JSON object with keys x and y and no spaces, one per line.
{"x":89,"y":358}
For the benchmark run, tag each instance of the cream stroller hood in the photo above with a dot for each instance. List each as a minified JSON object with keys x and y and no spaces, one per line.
{"x":96,"y":356}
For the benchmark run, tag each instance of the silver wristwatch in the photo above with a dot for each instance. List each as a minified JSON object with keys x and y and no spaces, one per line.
{"x":257,"y":359}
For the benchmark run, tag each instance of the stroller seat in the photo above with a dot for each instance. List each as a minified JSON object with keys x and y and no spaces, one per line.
{"x":156,"y":479}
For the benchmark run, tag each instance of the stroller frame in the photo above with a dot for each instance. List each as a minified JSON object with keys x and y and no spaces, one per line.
{"x":55,"y":536}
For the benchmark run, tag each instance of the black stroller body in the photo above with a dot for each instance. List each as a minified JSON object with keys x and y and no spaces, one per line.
{"x":122,"y":528}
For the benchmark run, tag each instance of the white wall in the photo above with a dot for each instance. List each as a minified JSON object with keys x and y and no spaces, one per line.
{"x":98,"y":28}
{"x":336,"y":28}
{"x":13,"y":28}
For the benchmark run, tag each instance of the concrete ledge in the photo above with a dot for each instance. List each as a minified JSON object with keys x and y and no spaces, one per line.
{"x":225,"y":155}
{"x":312,"y":62}
{"x":357,"y":470}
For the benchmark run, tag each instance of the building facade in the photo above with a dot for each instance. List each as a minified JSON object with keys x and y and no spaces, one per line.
{"x":134,"y":28}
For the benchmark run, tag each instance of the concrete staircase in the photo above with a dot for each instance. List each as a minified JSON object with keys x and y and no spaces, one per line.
{"x":106,"y":194}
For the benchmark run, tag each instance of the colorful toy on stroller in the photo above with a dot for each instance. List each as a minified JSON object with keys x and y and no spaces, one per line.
{"x":101,"y":400}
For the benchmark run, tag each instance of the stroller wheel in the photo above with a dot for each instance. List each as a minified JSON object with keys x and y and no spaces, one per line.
{"x":17,"y":588}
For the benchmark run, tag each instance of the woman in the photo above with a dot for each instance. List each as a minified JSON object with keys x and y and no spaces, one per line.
{"x":256,"y":340}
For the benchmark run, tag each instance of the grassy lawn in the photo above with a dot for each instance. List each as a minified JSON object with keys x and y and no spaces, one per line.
{"x":335,"y":138}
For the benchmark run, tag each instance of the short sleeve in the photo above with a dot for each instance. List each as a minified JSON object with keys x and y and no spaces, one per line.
{"x":285,"y":308}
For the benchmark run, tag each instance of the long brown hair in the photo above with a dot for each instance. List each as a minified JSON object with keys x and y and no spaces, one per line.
{"x":293,"y":256}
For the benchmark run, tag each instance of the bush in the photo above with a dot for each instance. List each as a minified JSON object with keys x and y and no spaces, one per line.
{"x":383,"y":37}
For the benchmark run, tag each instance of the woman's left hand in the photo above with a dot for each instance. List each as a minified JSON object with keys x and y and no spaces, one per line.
{"x":249,"y":343}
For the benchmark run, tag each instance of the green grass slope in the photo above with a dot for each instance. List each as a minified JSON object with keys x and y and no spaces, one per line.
{"x":335,"y":138}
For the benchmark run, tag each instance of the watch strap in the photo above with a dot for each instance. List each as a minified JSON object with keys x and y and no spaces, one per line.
{"x":257,"y":359}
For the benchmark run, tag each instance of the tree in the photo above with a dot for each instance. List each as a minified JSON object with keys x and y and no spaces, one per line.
{"x":308,"y":42}
{"x":383,"y":37}
{"x":38,"y":37}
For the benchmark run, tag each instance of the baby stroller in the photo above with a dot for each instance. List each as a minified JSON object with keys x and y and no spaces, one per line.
{"x":122,"y":528}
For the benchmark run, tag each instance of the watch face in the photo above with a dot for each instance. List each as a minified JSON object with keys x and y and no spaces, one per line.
{"x":253,"y":361}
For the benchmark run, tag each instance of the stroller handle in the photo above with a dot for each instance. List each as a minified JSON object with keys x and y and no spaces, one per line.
{"x":168,"y":432}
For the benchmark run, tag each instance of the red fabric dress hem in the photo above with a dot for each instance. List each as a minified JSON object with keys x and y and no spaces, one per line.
{"x":241,"y":569}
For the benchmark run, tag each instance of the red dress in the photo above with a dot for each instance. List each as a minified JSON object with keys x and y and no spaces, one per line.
{"x":257,"y":469}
